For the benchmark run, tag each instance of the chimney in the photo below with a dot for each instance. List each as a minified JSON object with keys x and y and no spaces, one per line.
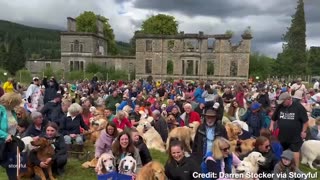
{"x":72,"y":26}
{"x":100,"y":27}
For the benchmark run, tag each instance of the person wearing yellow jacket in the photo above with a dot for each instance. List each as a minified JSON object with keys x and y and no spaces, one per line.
{"x":8,"y":86}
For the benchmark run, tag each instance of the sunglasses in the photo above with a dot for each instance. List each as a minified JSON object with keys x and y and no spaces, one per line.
{"x":225,"y":149}
{"x":267,"y":146}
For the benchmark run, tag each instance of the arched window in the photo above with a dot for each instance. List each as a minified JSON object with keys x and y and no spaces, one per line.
{"x":76,"y":46}
{"x":169,"y":67}
{"x":233,"y":68}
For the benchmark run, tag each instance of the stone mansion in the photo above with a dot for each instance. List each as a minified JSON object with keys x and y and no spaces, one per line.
{"x":191,"y":56}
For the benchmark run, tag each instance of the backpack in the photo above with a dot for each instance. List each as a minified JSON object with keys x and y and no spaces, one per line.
{"x":204,"y":167}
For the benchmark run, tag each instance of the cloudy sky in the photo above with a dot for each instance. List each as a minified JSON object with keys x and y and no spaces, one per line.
{"x":268,"y":19}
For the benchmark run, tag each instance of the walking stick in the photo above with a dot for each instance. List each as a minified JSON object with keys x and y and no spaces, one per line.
{"x":18,"y":162}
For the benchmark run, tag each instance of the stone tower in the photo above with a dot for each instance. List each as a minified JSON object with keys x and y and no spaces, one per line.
{"x":78,"y":48}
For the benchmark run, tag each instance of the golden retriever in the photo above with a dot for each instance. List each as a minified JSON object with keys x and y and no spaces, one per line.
{"x":105,"y":164}
{"x":127,"y":166}
{"x":247,"y":146}
{"x":152,"y":171}
{"x":233,"y":132}
{"x":250,"y":164}
{"x":150,"y":135}
{"x":185,"y":134}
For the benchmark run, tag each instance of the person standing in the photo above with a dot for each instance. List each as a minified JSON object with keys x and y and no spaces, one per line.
{"x":8,"y":86}
{"x":298,"y":90}
{"x":33,"y":95}
{"x":292,"y":120}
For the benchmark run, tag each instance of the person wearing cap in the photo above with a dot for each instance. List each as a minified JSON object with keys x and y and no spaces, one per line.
{"x":292,"y":120}
{"x":298,"y":90}
{"x":284,"y":169}
{"x":206,"y":134}
{"x":33,"y":95}
{"x":51,"y":89}
{"x":255,"y":118}
{"x":50,"y":107}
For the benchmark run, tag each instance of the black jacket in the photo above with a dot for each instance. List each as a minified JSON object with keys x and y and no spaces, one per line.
{"x":143,"y":151}
{"x":200,"y":140}
{"x":33,"y":131}
{"x":69,"y":126}
{"x":60,"y":150}
{"x":49,"y":108}
{"x":162,"y":128}
{"x":182,"y":170}
{"x":51,"y":91}
{"x":57,"y":116}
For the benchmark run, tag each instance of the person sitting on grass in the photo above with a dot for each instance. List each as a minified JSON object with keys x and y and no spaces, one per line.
{"x":143,"y":149}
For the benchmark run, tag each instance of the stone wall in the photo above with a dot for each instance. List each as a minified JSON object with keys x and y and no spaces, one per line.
{"x":36,"y":66}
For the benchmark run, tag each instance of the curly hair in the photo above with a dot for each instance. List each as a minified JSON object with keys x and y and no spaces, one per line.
{"x":11,"y":100}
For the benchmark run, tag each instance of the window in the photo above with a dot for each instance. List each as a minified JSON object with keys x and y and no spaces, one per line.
{"x":171,"y":45}
{"x":233,"y":68}
{"x":191,"y":45}
{"x":71,"y":47}
{"x":81,"y":47}
{"x":71,"y":65}
{"x":197,"y":65}
{"x":210,"y":68}
{"x":76,"y":46}
{"x":81,"y":66}
{"x":169,"y":67}
{"x":190,"y":67}
{"x":183,"y":68}
{"x":211,"y":42}
{"x":149,"y":45}
{"x":48,"y":65}
{"x":76,"y":65}
{"x":148,"y":67}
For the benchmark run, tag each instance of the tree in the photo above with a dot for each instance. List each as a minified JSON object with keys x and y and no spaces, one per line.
{"x":3,"y":55}
{"x":160,"y":24}
{"x":261,"y":65}
{"x":314,"y":60}
{"x":87,"y":22}
{"x":16,"y":58}
{"x":294,"y":48}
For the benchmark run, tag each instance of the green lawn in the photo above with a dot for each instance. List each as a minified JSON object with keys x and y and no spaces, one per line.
{"x":74,"y":171}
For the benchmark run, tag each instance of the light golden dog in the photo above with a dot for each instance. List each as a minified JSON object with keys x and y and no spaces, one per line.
{"x":150,"y":135}
{"x":233,"y":132}
{"x":151,"y":171}
{"x":247,"y":146}
{"x":105,"y":164}
{"x":172,"y":122}
{"x":184,"y":134}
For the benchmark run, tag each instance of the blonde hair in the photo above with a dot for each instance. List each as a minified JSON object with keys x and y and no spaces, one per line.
{"x":66,"y":101}
{"x":216,"y":149}
{"x":318,"y":121}
{"x":121,"y":114}
{"x":11,"y":100}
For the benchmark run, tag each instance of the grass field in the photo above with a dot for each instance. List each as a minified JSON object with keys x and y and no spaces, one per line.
{"x":74,"y":171}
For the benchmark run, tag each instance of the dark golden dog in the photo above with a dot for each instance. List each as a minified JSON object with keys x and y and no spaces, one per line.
{"x":151,"y":171}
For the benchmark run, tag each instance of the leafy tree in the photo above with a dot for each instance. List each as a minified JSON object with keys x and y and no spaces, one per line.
{"x":87,"y":22}
{"x":294,"y":48}
{"x":314,"y":60}
{"x":160,"y":24}
{"x":261,"y":65}
{"x":16,"y":58}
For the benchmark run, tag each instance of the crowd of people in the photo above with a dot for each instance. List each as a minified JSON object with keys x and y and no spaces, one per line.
{"x":276,"y":115}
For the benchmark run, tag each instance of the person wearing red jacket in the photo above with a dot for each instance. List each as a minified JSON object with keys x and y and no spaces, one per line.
{"x":122,"y":121}
{"x":189,"y":116}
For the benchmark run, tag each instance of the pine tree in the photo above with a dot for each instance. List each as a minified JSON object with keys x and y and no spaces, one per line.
{"x":293,"y":59}
{"x":16,"y":58}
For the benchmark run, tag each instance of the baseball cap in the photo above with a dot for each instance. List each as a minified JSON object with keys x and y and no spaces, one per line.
{"x":282,"y":97}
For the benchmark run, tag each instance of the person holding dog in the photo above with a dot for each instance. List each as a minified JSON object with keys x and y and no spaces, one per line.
{"x":59,"y":160}
{"x":123,"y":146}
{"x":8,"y":128}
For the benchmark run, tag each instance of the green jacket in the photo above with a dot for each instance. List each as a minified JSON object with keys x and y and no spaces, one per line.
{"x":4,"y":123}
